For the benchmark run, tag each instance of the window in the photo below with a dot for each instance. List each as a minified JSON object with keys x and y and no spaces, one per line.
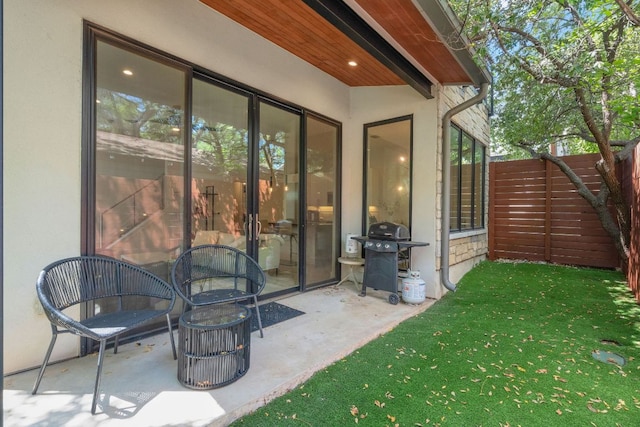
{"x":388,"y":171}
{"x":467,"y":181}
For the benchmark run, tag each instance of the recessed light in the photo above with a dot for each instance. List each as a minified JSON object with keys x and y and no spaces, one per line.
{"x":127,"y":72}
{"x":352,"y":63}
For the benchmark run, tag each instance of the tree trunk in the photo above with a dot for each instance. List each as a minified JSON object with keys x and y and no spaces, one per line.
{"x":618,"y":228}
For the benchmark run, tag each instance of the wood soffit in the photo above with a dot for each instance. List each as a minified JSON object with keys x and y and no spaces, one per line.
{"x":297,"y":28}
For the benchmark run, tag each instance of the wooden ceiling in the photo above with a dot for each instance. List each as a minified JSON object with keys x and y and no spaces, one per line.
{"x":404,"y":22}
{"x":296,"y":27}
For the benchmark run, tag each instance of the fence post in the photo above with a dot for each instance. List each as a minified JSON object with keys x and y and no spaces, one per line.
{"x":547,"y":212}
{"x":492,"y":211}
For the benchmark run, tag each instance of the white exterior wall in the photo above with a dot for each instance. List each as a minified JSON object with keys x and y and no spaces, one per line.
{"x":375,"y":104}
{"x":43,"y":120}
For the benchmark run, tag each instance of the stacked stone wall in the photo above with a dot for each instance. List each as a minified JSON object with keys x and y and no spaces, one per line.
{"x":475,"y":121}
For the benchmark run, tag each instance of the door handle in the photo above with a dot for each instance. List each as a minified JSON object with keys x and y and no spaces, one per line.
{"x":259,"y":225}
{"x":250,"y":227}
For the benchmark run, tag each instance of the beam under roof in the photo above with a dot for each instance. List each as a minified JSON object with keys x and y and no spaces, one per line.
{"x":347,"y":21}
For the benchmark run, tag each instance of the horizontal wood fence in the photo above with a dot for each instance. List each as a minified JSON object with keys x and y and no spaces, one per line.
{"x":535,"y":213}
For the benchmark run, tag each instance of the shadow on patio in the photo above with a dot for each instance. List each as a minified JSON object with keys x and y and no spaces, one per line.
{"x":140,"y":387}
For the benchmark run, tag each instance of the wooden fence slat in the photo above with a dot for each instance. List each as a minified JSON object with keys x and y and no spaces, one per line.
{"x":535,"y":213}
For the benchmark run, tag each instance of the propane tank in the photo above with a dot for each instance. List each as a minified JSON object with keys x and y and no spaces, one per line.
{"x":413,"y":288}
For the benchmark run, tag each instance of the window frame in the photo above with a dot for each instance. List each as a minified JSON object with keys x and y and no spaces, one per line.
{"x":365,"y":167}
{"x":478,"y":150}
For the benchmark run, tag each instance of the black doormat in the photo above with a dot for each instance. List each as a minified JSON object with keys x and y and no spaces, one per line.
{"x":272,"y":313}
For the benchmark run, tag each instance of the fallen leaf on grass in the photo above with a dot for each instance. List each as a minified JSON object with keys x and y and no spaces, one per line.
{"x":379,"y":404}
{"x":354,"y":410}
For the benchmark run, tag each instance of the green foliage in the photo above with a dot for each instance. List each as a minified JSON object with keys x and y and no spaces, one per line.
{"x":513,"y":346}
{"x":541,"y":52}
{"x":124,"y":114}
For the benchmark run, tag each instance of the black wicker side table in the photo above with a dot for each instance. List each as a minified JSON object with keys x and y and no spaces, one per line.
{"x":214,"y":345}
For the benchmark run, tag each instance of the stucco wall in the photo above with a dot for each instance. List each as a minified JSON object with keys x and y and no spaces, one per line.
{"x":374,"y":104}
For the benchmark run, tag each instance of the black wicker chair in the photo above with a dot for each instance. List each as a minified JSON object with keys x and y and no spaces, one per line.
{"x":101,"y":281}
{"x":214,"y":274}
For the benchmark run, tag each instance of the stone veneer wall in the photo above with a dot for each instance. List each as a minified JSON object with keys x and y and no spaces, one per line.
{"x":471,"y":245}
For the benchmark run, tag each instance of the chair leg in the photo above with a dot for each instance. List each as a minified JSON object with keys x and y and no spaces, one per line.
{"x":46,"y":360}
{"x":103,"y":344}
{"x":255,"y":301}
{"x":173,"y":344}
{"x":115,"y":345}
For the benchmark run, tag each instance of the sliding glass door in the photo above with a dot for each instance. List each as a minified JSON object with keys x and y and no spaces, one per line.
{"x":323,"y":194}
{"x":244,"y":191}
{"x":138,"y":165}
{"x":176,"y":157}
{"x":219,"y":165}
{"x":139,"y":158}
{"x":277,"y":195}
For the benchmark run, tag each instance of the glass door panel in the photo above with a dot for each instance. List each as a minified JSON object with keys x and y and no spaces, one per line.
{"x":139,"y":162}
{"x":322,"y":194}
{"x":139,"y":158}
{"x":219,"y":162}
{"x":278,"y":195}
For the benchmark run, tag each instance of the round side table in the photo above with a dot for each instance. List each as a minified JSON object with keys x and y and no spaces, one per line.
{"x":213,"y":345}
{"x":351,"y":262}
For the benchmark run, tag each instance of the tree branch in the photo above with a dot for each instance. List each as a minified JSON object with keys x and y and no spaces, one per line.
{"x":579,"y":22}
{"x":627,"y":150}
{"x":629,"y":13}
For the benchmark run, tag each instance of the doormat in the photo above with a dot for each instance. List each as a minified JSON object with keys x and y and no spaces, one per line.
{"x":272,"y":313}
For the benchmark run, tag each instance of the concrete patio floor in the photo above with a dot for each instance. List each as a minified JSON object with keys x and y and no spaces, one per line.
{"x":139,"y":384}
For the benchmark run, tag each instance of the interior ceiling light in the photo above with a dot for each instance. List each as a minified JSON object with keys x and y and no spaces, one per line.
{"x":127,"y":72}
{"x":352,"y":63}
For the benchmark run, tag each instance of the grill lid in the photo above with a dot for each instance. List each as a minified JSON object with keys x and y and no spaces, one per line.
{"x":388,"y":231}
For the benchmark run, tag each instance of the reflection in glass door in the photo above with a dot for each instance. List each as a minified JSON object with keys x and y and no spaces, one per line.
{"x":278,"y":195}
{"x":219,"y":160}
{"x":138,"y":162}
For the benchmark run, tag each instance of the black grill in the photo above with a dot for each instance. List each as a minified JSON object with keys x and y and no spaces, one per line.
{"x":382,"y":246}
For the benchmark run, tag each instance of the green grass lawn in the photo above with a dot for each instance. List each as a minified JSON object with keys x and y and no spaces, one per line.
{"x":512,"y":347}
